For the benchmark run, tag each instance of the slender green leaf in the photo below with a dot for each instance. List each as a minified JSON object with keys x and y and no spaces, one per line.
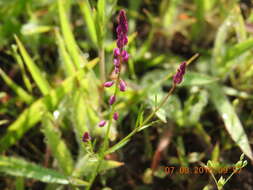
{"x":58,"y":147}
{"x":69,"y":67}
{"x":22,"y":68}
{"x":230,"y":118}
{"x":34,"y":70}
{"x":89,"y":19}
{"x":22,"y":94}
{"x":198,"y":79}
{"x":239,"y":49}
{"x":19,"y":167}
{"x":68,"y":36}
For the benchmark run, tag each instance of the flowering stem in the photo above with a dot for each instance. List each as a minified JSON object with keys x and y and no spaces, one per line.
{"x":106,"y":140}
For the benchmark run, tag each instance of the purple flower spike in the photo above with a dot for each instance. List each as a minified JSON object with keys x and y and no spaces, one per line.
{"x":112,"y":99}
{"x":122,"y":85}
{"x":108,"y":84}
{"x":116,"y":116}
{"x":86,"y":137}
{"x":178,"y":77}
{"x":102,"y":123}
{"x":116,"y":52}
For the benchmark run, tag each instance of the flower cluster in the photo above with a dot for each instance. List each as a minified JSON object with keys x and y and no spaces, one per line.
{"x":120,"y":56}
{"x":178,"y":77}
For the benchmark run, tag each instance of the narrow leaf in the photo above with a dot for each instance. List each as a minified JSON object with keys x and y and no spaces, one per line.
{"x":57,"y":145}
{"x":193,"y":78}
{"x":22,"y":94}
{"x":19,"y":167}
{"x":69,"y":67}
{"x":34,"y":70}
{"x":230,"y":118}
{"x":89,"y":20}
{"x":68,"y":35}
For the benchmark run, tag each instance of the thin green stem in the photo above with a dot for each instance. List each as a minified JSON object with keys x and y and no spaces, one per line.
{"x":106,"y":140}
{"x":102,"y":64}
{"x":214,"y":178}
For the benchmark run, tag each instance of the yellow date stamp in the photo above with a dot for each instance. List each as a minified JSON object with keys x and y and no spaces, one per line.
{"x":170,"y":170}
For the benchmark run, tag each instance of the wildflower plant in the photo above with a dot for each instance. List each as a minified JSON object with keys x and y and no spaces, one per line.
{"x":121,"y":56}
{"x":64,"y":107}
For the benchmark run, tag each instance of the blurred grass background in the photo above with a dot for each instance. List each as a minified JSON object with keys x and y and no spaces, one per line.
{"x":51,"y":54}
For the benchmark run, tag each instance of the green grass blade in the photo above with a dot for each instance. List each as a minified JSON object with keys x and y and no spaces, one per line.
{"x":219,"y":50}
{"x":239,"y":49}
{"x":198,"y":79}
{"x":89,"y":19}
{"x":22,"y":68}
{"x":69,"y":67}
{"x":57,"y":145}
{"x":68,"y":36}
{"x":22,"y":94}
{"x":100,"y":20}
{"x":230,"y":118}
{"x":34,"y":70}
{"x":198,"y":26}
{"x":19,"y":167}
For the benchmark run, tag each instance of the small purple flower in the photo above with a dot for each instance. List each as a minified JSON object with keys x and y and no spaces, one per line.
{"x":86,"y":137}
{"x":102,"y":123}
{"x":108,"y":84}
{"x":116,"y":62}
{"x":116,"y":116}
{"x":125,"y":55}
{"x":112,"y":99}
{"x":116,"y":52}
{"x":178,"y":77}
{"x":116,"y":70}
{"x":122,"y":85}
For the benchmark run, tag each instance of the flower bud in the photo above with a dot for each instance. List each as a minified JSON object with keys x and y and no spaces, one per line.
{"x":86,"y":137}
{"x":122,"y":85}
{"x":108,"y":84}
{"x":116,"y":116}
{"x":125,"y":55}
{"x":116,"y":52}
{"x":112,"y":99}
{"x":116,"y":62}
{"x":178,"y":77}
{"x":102,"y":123}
